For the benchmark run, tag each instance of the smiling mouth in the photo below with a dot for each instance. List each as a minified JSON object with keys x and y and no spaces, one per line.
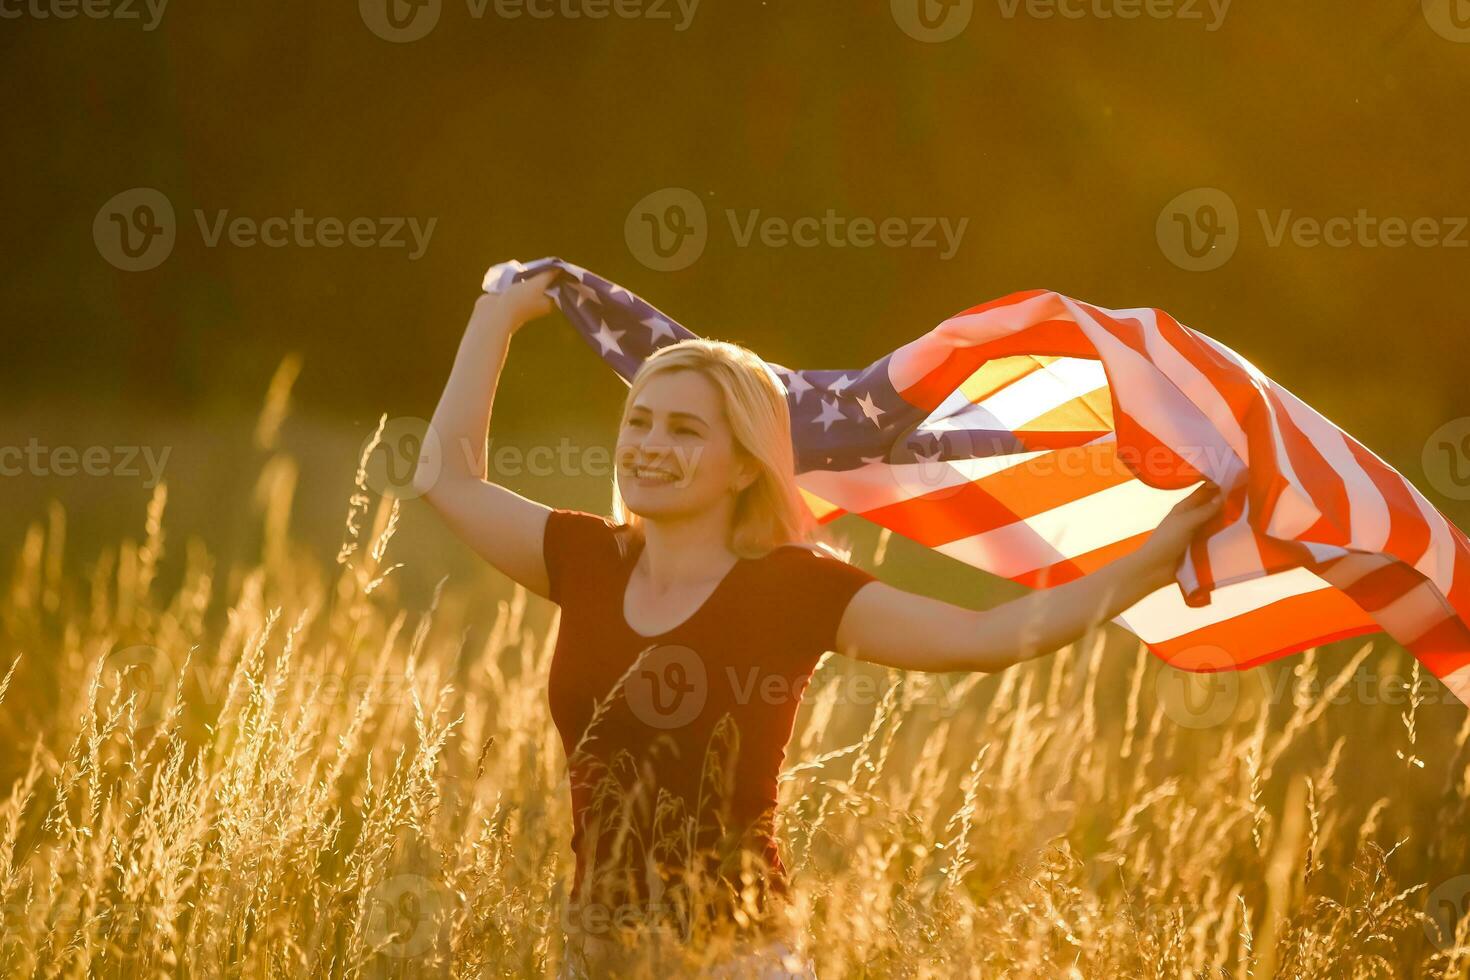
{"x":654,"y":473}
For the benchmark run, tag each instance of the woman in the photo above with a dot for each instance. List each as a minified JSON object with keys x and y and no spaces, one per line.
{"x":691,"y":623}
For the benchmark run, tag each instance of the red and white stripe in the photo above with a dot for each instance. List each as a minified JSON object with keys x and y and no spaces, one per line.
{"x":1318,"y":539}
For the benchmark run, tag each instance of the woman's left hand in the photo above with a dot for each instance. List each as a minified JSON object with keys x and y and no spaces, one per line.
{"x":1161,"y":551}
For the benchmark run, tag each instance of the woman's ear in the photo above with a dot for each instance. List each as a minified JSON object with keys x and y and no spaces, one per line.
{"x":749,"y":471}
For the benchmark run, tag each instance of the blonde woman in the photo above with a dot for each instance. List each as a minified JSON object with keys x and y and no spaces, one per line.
{"x":690,"y":622}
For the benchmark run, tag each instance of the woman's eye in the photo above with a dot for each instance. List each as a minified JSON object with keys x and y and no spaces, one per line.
{"x":683,"y":430}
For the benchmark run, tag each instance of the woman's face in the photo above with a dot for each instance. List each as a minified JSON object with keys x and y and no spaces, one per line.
{"x":676,"y":453}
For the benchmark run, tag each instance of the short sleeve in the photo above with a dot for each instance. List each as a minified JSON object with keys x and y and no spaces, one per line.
{"x":828,"y":588}
{"x":571,"y":544}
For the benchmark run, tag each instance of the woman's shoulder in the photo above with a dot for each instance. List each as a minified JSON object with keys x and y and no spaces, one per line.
{"x":811,"y":585}
{"x":807,"y":554}
{"x":583,"y":529}
{"x":581,"y":551}
{"x":582,"y":518}
{"x":817,"y":548}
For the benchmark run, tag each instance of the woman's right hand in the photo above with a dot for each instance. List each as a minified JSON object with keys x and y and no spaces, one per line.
{"x":520,"y":302}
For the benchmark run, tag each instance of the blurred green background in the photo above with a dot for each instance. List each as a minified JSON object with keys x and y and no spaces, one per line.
{"x":1059,"y":139}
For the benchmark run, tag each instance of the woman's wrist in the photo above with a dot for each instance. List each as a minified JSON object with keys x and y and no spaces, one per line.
{"x":492,"y":313}
{"x":1139,"y":574}
{"x":1148,"y":571}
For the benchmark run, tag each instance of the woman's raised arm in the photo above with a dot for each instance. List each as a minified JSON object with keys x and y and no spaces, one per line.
{"x":889,"y":626}
{"x":501,"y":526}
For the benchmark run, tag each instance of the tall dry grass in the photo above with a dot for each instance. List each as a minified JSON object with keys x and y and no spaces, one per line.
{"x":279,"y":770}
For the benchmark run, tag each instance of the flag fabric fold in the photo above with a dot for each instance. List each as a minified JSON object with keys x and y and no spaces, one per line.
{"x":1038,"y":437}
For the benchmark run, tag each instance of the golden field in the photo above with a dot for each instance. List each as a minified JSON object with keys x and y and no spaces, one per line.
{"x":285,"y":767}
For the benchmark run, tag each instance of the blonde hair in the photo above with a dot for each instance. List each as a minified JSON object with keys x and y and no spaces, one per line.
{"x":770,"y":511}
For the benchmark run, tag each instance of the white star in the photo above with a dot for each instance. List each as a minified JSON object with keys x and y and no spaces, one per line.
{"x":614,"y":289}
{"x":871,"y":410}
{"x":921,"y":458}
{"x":837,"y":386}
{"x":871,"y":459}
{"x":797,"y":385}
{"x":830,"y":413}
{"x":585,"y":294}
{"x":607,"y":337}
{"x":658,"y":325}
{"x":576,"y":270}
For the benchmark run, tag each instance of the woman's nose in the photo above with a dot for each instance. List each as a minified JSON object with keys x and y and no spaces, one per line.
{"x":647,"y":449}
{"x":655,"y":439}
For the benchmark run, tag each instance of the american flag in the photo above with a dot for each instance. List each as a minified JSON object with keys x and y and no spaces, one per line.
{"x":1038,"y":437}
